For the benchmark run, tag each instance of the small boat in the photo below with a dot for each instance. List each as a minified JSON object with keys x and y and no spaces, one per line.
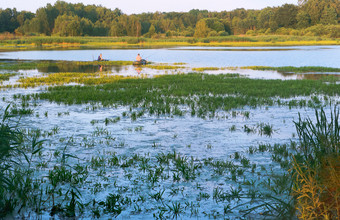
{"x":142,"y":62}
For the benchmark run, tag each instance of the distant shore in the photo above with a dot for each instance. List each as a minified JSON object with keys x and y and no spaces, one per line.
{"x":53,"y":42}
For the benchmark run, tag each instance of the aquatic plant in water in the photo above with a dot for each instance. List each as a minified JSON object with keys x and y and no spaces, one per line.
{"x":316,"y":166}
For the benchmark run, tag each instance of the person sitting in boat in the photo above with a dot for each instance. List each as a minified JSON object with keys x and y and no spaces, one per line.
{"x":140,"y":60}
{"x":100,"y":57}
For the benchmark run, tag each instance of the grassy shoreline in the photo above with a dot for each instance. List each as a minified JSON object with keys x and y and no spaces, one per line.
{"x":51,"y":42}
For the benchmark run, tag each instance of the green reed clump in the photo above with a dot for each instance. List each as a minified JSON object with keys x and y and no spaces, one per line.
{"x":320,"y":139}
{"x":6,"y":76}
{"x":265,"y":129}
{"x":163,"y":67}
{"x":316,"y":166}
{"x":18,"y":190}
{"x":201,"y":69}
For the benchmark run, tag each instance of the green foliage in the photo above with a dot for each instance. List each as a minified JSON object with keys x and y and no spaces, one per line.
{"x":67,"y":25}
{"x":316,"y":166}
{"x":6,"y":76}
{"x":67,"y":19}
{"x":321,"y":139}
{"x":10,"y":140}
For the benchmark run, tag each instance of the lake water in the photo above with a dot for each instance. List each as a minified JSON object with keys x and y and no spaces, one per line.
{"x":327,"y":56}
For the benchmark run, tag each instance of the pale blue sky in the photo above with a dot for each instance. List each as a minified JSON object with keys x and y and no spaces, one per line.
{"x":139,"y":6}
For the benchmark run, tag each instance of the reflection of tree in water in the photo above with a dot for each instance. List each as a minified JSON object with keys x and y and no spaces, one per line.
{"x":71,"y":67}
{"x":67,"y":67}
{"x":312,"y":76}
{"x":334,"y":77}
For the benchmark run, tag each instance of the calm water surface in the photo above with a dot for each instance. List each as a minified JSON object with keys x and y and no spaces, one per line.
{"x":327,"y":56}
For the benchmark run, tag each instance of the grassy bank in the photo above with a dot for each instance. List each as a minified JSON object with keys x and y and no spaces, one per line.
{"x":46,"y":42}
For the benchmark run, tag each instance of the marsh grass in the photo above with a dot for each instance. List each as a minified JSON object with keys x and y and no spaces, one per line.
{"x":164,"y":67}
{"x":202,"y":69}
{"x":316,"y":166}
{"x":6,"y":76}
{"x":165,"y":94}
{"x":17,"y":150}
{"x":66,"y":78}
{"x":54,"y":42}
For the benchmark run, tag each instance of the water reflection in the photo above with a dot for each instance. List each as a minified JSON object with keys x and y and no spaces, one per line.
{"x":138,"y":69}
{"x":133,"y":70}
{"x":69,"y":67}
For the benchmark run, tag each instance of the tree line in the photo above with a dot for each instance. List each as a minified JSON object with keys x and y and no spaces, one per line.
{"x":67,"y":19}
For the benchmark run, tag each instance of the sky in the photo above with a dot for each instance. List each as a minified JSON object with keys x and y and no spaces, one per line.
{"x":140,"y":6}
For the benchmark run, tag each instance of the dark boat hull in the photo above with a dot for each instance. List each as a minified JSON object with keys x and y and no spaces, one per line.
{"x":142,"y":62}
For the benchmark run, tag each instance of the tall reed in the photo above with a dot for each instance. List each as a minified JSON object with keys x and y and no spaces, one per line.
{"x":316,"y":167}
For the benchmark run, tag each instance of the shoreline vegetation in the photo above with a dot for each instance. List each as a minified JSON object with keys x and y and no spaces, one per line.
{"x":55,"y":42}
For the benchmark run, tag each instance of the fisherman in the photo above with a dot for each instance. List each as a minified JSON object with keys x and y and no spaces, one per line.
{"x":140,"y":60}
{"x":100,"y":57}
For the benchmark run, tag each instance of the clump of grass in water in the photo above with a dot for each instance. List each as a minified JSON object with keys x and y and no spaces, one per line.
{"x":265,"y":129}
{"x":16,"y":175}
{"x":201,"y":69}
{"x":6,"y":76}
{"x":316,"y":166}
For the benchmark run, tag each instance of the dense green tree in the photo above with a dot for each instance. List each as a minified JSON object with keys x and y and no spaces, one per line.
{"x":152,"y":30}
{"x":67,"y":25}
{"x":8,"y":20}
{"x":201,"y":29}
{"x":23,"y":16}
{"x":285,"y":16}
{"x":86,"y":27}
{"x":329,"y":16}
{"x":319,"y":10}
{"x":303,"y":19}
{"x":117,"y":29}
{"x":265,"y":18}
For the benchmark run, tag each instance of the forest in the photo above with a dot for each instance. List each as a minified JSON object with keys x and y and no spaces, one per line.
{"x":307,"y":18}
